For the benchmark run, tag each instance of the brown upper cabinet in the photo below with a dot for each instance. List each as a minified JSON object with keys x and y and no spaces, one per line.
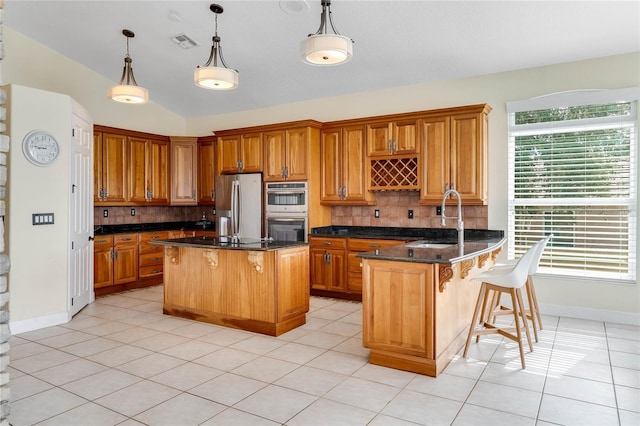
{"x":342,"y":161}
{"x":454,"y":152}
{"x":239,"y":152}
{"x":392,"y":138}
{"x":287,"y":153}
{"x":110,"y":169}
{"x":206,"y":171}
{"x":184,"y":171}
{"x":148,"y":171}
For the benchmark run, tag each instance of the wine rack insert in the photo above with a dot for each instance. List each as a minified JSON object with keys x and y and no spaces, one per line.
{"x":394,"y":174}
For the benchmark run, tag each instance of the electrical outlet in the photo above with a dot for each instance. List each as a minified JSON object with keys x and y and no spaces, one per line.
{"x":376,"y":213}
{"x":438,"y":210}
{"x":410,"y":214}
{"x":105,"y":213}
{"x":133,"y":212}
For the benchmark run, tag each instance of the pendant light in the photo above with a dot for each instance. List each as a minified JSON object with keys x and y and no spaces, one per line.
{"x":128,"y":91}
{"x":215,"y":77}
{"x":326,"y":49}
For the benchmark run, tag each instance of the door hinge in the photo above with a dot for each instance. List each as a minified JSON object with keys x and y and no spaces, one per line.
{"x":73,"y":188}
{"x":73,"y":134}
{"x":72,"y":245}
{"x":72,"y":301}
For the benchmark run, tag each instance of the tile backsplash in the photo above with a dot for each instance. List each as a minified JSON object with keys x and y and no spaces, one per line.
{"x":394,"y":207}
{"x":150,"y":214}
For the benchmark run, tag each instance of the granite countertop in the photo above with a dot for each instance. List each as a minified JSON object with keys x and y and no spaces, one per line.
{"x":442,"y":235}
{"x":447,"y":253}
{"x":150,"y":227}
{"x":222,"y":243}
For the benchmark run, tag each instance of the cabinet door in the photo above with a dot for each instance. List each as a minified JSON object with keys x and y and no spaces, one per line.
{"x":468,"y":151}
{"x":297,"y":153}
{"x":251,"y":152}
{"x":183,"y":172}
{"x":228,"y":154}
{"x":206,"y":173}
{"x":102,"y":262}
{"x":436,"y":159}
{"x":158,"y":172}
{"x":274,"y":156}
{"x":327,"y":269}
{"x":331,"y":161}
{"x":114,"y":168}
{"x":405,"y":137}
{"x":138,"y":152}
{"x":354,"y":180}
{"x":379,"y":139}
{"x":125,"y":264}
{"x":97,"y":166}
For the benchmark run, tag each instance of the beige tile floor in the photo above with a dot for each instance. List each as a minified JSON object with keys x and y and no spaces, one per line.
{"x":121,"y":362}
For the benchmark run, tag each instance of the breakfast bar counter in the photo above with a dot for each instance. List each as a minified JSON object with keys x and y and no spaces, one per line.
{"x":418,"y":300}
{"x":260,"y":286}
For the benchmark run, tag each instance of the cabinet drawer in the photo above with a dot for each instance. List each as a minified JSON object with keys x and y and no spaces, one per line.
{"x":103,"y":241}
{"x":354,"y":282}
{"x":147,"y":241}
{"x":353,"y":262}
{"x":150,"y":271}
{"x":337,"y":243}
{"x":125,"y":239}
{"x":149,"y":259}
{"x":366,"y":244}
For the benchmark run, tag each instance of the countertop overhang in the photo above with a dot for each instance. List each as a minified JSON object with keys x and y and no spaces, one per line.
{"x":408,"y":234}
{"x":223,"y":243}
{"x":201,"y":225}
{"x":451,"y":253}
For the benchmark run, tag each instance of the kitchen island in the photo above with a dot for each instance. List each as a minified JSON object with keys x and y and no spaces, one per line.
{"x":418,"y":300}
{"x":260,"y":286}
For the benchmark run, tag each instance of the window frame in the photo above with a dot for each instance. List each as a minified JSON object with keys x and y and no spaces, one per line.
{"x":569,"y":99}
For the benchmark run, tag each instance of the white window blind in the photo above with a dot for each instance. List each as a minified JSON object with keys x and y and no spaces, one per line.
{"x":572,"y":173}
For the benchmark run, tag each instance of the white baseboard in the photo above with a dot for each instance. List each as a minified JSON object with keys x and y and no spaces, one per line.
{"x":18,"y":327}
{"x":590,"y":314}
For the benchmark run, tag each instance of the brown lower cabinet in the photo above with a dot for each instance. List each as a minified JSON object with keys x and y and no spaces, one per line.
{"x":335,"y":271}
{"x":115,"y":262}
{"x":126,"y":261}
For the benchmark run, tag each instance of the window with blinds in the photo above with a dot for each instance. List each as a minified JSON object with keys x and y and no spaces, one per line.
{"x":572,"y":173}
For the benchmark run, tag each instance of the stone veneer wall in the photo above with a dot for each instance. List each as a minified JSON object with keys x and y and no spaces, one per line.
{"x":394,"y":207}
{"x":5,"y":332}
{"x":150,"y":214}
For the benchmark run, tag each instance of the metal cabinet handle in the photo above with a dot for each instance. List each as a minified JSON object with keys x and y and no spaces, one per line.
{"x":327,"y":242}
{"x":156,"y":258}
{"x":374,"y":245}
{"x":126,"y":239}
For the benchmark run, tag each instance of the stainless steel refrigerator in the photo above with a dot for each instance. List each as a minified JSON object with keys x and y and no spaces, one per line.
{"x":239,"y":206}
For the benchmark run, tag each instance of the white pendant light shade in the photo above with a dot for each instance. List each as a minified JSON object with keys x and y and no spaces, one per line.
{"x":210,"y":75}
{"x":323,"y":48}
{"x":215,"y":78}
{"x":127,"y":93}
{"x":127,"y":90}
{"x":326,"y":49}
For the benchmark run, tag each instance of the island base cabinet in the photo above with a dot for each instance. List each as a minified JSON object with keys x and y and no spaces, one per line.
{"x":416,"y":316}
{"x":261,"y":291}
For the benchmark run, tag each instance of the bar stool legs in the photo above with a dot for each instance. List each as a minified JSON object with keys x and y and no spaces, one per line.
{"x":485,"y":320}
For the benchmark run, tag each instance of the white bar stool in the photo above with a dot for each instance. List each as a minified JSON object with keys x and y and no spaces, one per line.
{"x":533,"y":311}
{"x":503,"y":280}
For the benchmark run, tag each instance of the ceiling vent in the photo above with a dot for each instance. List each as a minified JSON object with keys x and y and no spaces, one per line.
{"x":184,"y":41}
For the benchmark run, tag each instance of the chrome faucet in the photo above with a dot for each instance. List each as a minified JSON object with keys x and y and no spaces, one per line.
{"x":460,"y":226}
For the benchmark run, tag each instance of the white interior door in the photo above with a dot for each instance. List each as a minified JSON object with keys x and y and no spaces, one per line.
{"x":81,"y":216}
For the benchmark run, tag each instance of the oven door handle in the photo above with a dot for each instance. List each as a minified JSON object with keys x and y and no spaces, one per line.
{"x":286,"y":219}
{"x":271,"y":191}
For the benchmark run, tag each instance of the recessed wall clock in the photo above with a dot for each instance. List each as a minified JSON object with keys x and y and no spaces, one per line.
{"x":40,"y":148}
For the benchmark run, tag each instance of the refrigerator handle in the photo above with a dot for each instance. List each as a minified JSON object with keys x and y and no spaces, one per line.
{"x":235,"y":208}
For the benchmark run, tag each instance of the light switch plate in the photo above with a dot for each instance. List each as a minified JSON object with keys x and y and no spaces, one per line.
{"x":42,"y":219}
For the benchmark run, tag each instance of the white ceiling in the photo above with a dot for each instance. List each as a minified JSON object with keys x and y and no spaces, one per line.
{"x":396,"y":42}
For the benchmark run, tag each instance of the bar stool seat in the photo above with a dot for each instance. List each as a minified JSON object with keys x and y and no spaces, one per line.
{"x":503,"y":280}
{"x":532,"y":311}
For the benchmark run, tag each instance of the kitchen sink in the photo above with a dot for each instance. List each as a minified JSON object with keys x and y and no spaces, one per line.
{"x":429,"y":245}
